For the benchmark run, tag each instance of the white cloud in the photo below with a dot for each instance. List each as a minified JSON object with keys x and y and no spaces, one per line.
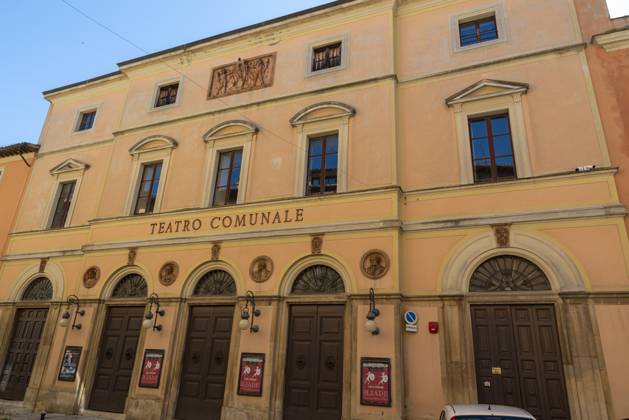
{"x":618,"y":8}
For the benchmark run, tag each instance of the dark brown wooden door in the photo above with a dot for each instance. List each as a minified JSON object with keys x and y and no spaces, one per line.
{"x":27,"y":332}
{"x":116,"y":358}
{"x":517,"y":352}
{"x":314,"y":363}
{"x":205,"y":363}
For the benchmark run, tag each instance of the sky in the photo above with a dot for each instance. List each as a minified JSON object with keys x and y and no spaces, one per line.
{"x":47,"y":44}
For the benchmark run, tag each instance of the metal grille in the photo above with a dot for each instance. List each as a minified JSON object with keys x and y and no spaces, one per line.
{"x":38,"y":289}
{"x":130,"y":286}
{"x":318,"y":279}
{"x":215,"y":283}
{"x":326,"y":57}
{"x":508,"y":273}
{"x":167,"y":95}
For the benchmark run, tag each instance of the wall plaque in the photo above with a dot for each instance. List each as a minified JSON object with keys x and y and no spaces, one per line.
{"x":69,"y":364}
{"x":251,"y":374}
{"x":91,"y":277}
{"x":261,"y":269}
{"x":242,"y":76}
{"x":375,"y":264}
{"x":375,"y":381}
{"x":151,"y":368}
{"x":168,"y":273}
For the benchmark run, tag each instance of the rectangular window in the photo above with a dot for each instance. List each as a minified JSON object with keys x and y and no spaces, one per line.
{"x":86,"y":120}
{"x":492,"y":149}
{"x":66,"y":190}
{"x":227,"y":178}
{"x":477,"y":31}
{"x":322,"y":165}
{"x":147,"y":190}
{"x":167,"y":95}
{"x":326,"y":57}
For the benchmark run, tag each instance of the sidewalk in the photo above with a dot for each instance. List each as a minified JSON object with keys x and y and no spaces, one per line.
{"x":51,"y":416}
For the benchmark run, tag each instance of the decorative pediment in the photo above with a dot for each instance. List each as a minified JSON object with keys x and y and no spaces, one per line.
{"x":486,"y":89}
{"x":231,"y":128}
{"x":322,"y":111}
{"x":153,"y":143}
{"x":69,"y":165}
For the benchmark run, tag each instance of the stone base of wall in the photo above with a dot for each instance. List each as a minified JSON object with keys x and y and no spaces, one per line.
{"x":237,"y":413}
{"x":61,"y":402}
{"x":143,"y":408}
{"x":9,"y":408}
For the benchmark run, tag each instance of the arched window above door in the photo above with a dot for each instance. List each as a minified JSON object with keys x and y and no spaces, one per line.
{"x":318,"y":279}
{"x":38,"y":289}
{"x":215,"y":283}
{"x":508,"y":273}
{"x":130,"y":286}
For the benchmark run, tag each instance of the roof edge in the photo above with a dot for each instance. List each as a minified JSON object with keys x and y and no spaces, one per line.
{"x":83,"y":82}
{"x":18,"y":149}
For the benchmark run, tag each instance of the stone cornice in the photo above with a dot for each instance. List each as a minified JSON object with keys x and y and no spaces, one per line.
{"x":613,"y":41}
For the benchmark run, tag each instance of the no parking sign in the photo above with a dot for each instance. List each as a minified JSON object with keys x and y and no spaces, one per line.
{"x":410,"y":321}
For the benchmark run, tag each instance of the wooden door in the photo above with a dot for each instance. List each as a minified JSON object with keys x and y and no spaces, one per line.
{"x":116,"y":358}
{"x":314,"y":363}
{"x":205,"y":360}
{"x":517,"y":351}
{"x":18,"y":365}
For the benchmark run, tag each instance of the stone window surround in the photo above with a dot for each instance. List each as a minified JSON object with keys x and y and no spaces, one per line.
{"x":307,"y":129}
{"x":497,"y":10}
{"x":156,"y":88}
{"x":2,"y":171}
{"x":144,"y":156}
{"x":68,"y":171}
{"x":77,"y":118}
{"x":344,"y":39}
{"x":217,"y":143}
{"x":510,"y":102}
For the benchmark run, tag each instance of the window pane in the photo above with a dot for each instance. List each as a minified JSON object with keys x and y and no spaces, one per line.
{"x":502,"y":145}
{"x":331,"y":145}
{"x":63,"y":205}
{"x":235,"y":178}
{"x":233,"y":195}
{"x":478,"y":128}
{"x":468,"y":34}
{"x":223,"y":177}
{"x":505,"y":167}
{"x":480,"y":149}
{"x":315,"y":164}
{"x":482,"y":170}
{"x":147,"y":190}
{"x":237,"y":158}
{"x":315,"y":147}
{"x":227,"y":178}
{"x":500,"y":125}
{"x":219,"y":196}
{"x":488,"y":30}
{"x":225,"y":160}
{"x":330,"y":162}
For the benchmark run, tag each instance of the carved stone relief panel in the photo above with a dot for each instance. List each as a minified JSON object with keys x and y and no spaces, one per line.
{"x":261,"y":269}
{"x":242,"y":76}
{"x":168,"y":273}
{"x":375,"y":264}
{"x":91,"y":277}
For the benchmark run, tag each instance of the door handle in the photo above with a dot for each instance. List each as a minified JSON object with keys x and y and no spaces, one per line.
{"x":195,"y":358}
{"x":109,"y":353}
{"x":330,"y":362}
{"x":301,"y":361}
{"x":128,"y":354}
{"x":218,"y":358}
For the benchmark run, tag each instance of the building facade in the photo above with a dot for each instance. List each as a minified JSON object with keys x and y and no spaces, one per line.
{"x":367,"y":209}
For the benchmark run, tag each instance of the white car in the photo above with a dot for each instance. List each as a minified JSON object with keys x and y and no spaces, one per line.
{"x":484,"y":412}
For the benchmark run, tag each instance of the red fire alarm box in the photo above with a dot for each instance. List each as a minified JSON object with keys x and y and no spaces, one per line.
{"x":433,"y":327}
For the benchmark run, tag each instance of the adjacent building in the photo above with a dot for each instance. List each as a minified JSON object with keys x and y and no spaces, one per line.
{"x":367,"y":209}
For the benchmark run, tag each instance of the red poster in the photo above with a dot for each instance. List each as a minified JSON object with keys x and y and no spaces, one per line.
{"x":375,"y":382}
{"x":151,"y":368}
{"x":251,"y":374}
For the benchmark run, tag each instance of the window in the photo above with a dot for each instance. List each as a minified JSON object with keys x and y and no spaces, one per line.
{"x":147,"y":190}
{"x":167,"y":95}
{"x":86,"y":120}
{"x":322,"y":165}
{"x":477,"y":31}
{"x":327,"y":56}
{"x":227,"y":178}
{"x":64,"y":199}
{"x":492,"y":149}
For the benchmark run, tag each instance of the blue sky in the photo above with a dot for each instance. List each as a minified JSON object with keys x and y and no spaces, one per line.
{"x":47,"y":44}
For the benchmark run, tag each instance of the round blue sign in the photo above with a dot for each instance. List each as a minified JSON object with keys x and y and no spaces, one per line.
{"x":410,"y":317}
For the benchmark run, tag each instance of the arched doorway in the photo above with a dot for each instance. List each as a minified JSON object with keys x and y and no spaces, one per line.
{"x":25,"y":339}
{"x":517,"y":352}
{"x":118,"y":344}
{"x":314,"y":358}
{"x":206,"y":352}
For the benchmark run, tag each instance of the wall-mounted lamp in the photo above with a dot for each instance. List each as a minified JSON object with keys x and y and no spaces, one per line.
{"x":371,"y":325}
{"x":73,"y":300}
{"x":247,"y":318}
{"x":150,"y":320}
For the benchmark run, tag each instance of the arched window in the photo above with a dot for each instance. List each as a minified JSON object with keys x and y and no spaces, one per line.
{"x":318,"y":279}
{"x":130,"y":286}
{"x":215,"y":283}
{"x":38,"y":289}
{"x":508,"y":273}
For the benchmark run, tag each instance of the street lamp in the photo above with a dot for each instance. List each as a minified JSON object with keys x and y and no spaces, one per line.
{"x":371,"y":325}
{"x":72,"y":300}
{"x":150,"y":320}
{"x":247,"y":318}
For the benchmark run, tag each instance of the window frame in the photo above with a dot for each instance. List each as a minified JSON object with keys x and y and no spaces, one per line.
{"x":2,"y":171}
{"x":163,"y":83}
{"x":56,"y":203}
{"x":344,"y":39}
{"x":229,"y":175}
{"x":490,"y":141}
{"x":139,"y":182}
{"x":477,"y":23}
{"x":79,"y":116}
{"x":496,"y":10}
{"x":324,"y":137}
{"x":67,"y":171}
